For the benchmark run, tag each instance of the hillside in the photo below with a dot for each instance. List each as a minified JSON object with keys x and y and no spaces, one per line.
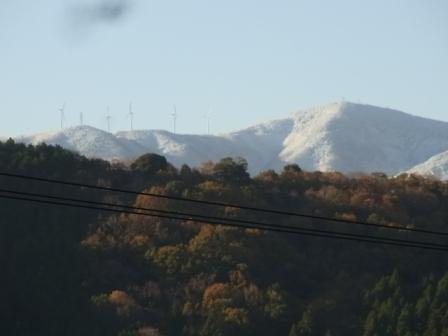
{"x":345,"y":137}
{"x":436,"y":166}
{"x":350,"y":137}
{"x":77,"y":271}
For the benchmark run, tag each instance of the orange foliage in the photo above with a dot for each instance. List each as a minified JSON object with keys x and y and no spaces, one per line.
{"x":215,"y":293}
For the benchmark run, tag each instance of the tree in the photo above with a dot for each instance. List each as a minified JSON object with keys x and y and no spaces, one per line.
{"x":292,"y":168}
{"x":149,"y":164}
{"x":233,"y":171}
{"x":438,"y":313}
{"x":385,"y":300}
{"x":305,"y":326}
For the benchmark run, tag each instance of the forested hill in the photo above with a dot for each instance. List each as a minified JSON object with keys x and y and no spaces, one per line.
{"x":71,"y":271}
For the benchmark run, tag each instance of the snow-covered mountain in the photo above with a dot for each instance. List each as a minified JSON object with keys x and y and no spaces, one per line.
{"x":259,"y":145}
{"x":436,"y":166}
{"x":88,"y":141}
{"x":343,"y":136}
{"x":352,"y":137}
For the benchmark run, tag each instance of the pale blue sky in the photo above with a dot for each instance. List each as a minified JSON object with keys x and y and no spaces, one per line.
{"x":246,"y":60}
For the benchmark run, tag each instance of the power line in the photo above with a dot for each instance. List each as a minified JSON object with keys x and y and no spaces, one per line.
{"x":193,"y":215}
{"x":223,"y":224}
{"x":222,"y":204}
{"x":189,"y":215}
{"x":220,"y":221}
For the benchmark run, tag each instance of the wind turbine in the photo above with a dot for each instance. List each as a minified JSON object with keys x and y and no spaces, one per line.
{"x":208,"y":117}
{"x":131,"y":116}
{"x":62,"y":114}
{"x":174,"y":115}
{"x":108,"y":118}
{"x":81,"y":119}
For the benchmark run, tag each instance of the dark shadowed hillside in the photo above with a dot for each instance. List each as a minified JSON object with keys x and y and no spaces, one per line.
{"x":69,"y":271}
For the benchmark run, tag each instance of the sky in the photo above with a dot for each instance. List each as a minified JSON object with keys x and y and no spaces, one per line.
{"x":233,"y":62}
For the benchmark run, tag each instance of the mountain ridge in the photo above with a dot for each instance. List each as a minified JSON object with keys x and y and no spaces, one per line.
{"x":344,"y":136}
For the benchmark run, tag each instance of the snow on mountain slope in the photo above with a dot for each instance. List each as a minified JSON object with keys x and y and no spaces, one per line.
{"x":181,"y":148}
{"x":262,"y":143}
{"x":87,"y":141}
{"x":352,"y":137}
{"x":343,"y":136}
{"x":436,"y":166}
{"x":259,"y":144}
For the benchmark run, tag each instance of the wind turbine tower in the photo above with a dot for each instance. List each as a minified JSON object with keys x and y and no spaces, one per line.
{"x":81,"y":119}
{"x":131,"y":116}
{"x":174,"y":115}
{"x":208,"y":118}
{"x":62,"y":114}
{"x":108,"y":119}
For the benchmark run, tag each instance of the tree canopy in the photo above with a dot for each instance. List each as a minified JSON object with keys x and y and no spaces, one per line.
{"x":69,"y":271}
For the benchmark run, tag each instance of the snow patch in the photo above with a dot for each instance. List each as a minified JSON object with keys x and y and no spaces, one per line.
{"x":436,"y":166}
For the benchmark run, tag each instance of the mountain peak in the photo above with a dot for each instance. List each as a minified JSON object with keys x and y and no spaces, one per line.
{"x":352,"y":137}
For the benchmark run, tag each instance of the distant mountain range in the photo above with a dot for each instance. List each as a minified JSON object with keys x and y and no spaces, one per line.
{"x":344,"y":137}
